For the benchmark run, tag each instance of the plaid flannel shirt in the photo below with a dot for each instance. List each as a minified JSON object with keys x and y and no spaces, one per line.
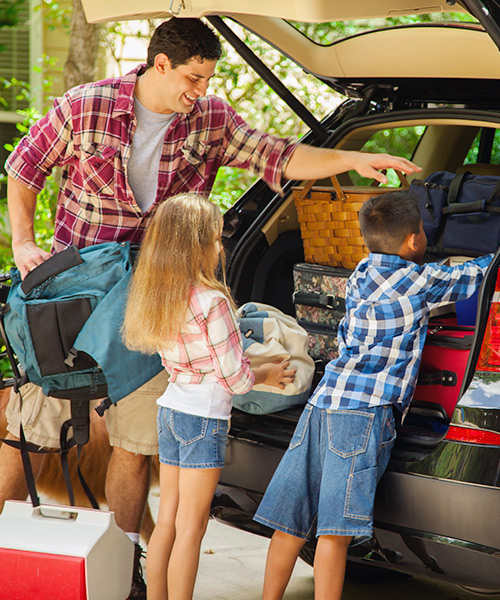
{"x":88,"y":133}
{"x":209,"y":348}
{"x":381,"y":338}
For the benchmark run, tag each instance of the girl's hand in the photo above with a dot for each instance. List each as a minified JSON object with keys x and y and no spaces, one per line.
{"x":277,"y":374}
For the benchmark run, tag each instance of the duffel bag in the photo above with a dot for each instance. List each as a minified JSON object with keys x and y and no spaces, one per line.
{"x":269,"y":335}
{"x":461,"y":213}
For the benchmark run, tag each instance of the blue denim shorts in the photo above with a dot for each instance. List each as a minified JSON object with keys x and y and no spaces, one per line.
{"x":189,"y":441}
{"x":327,"y":478}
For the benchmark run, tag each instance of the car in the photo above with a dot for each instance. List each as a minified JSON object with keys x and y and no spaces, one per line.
{"x":436,"y":86}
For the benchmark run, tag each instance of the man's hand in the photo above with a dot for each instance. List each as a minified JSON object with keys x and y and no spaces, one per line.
{"x":22,"y":205}
{"x":369,"y":165}
{"x":277,"y":374}
{"x":27,"y":256}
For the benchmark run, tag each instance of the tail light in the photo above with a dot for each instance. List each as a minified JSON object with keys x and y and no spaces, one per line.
{"x":489,"y":360}
{"x":471,"y":435}
{"x":489,"y":356}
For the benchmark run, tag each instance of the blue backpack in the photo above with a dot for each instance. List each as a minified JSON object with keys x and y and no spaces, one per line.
{"x":62,"y":323}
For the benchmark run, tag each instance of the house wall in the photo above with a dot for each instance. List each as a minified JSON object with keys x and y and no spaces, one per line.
{"x":55,"y":45}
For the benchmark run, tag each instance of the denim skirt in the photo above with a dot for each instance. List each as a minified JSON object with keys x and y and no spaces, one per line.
{"x":325,"y":483}
{"x":189,"y":441}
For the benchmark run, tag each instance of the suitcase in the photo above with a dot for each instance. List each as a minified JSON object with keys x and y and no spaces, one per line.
{"x":444,"y":358}
{"x":63,"y":553}
{"x":319,"y":300}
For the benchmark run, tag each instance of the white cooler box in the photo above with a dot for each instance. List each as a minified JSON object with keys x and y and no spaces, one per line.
{"x":63,"y":553}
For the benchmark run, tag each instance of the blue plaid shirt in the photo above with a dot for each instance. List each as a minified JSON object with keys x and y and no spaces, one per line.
{"x":388,"y":300}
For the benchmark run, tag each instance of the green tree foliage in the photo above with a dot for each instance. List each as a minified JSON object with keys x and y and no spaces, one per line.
{"x":237,"y":82}
{"x":9,"y":12}
{"x":46,"y":201}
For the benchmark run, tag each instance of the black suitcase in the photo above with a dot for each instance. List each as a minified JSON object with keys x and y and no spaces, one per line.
{"x":319,"y":300}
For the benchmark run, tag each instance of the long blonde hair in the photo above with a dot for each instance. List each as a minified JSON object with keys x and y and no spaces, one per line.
{"x":179,"y":250}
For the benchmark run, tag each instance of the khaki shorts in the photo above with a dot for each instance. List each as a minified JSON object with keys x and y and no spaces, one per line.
{"x":131,"y":422}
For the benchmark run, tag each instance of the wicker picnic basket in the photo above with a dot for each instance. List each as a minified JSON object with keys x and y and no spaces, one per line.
{"x":329,"y":224}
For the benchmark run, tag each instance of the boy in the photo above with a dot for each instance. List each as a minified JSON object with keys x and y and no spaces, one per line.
{"x":341,"y":446}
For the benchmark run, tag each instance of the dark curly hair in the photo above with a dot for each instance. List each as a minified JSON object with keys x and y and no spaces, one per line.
{"x":183,"y":39}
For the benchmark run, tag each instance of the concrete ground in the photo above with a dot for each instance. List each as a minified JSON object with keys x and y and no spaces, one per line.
{"x":232,"y":568}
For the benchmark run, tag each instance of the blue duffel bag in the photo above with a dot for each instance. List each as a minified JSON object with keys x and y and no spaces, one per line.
{"x":461,"y":213}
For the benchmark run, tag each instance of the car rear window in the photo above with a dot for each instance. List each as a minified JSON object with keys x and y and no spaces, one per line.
{"x":399,"y":141}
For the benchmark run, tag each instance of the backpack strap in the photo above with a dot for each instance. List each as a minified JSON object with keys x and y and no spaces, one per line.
{"x":80,"y":421}
{"x":66,"y":444}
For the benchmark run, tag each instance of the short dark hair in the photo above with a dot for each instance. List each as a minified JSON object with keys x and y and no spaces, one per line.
{"x":387,"y":219}
{"x":183,"y":39}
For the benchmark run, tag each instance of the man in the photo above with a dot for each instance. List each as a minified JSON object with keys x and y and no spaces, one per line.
{"x":125,"y":145}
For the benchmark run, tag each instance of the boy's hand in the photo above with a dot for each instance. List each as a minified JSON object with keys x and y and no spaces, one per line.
{"x":277,"y":374}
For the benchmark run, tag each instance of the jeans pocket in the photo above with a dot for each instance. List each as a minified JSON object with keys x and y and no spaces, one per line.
{"x":220,"y":431}
{"x":159,"y":418}
{"x":301,"y":429}
{"x":187,"y":428}
{"x":389,"y":433}
{"x":349,"y":431}
{"x":361,"y":494}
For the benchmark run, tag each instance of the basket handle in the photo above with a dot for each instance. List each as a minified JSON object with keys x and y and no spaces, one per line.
{"x":405,"y":184}
{"x":340,"y":192}
{"x":307,"y":188}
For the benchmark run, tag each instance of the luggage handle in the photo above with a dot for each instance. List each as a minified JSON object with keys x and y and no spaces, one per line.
{"x":319,"y":300}
{"x":444,"y":378}
{"x":478,"y":206}
{"x":340,"y":194}
{"x":464,"y":208}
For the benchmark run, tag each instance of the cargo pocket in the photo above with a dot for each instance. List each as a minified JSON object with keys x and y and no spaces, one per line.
{"x":360,"y":495}
{"x":186,"y":428}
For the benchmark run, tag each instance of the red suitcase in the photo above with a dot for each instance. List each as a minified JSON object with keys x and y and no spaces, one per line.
{"x":444,"y":359}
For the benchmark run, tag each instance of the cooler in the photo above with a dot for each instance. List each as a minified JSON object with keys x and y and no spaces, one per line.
{"x":63,"y":553}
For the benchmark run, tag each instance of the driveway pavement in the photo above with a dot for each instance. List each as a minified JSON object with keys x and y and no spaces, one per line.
{"x":232,"y":568}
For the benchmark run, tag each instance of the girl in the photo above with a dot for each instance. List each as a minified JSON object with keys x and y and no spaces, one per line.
{"x":178,"y":307}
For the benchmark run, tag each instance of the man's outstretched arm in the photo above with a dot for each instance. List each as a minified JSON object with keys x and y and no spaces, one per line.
{"x":308,"y":162}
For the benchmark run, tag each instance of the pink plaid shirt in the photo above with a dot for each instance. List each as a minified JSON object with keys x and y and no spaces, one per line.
{"x":209,"y":348}
{"x":88,"y":133}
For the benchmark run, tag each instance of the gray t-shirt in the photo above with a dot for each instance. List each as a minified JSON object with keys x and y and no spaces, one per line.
{"x":145,"y":153}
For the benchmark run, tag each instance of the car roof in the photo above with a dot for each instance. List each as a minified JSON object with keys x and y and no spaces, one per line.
{"x":432,"y":53}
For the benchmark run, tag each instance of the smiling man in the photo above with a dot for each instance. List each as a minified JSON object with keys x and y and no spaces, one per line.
{"x":125,"y":145}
